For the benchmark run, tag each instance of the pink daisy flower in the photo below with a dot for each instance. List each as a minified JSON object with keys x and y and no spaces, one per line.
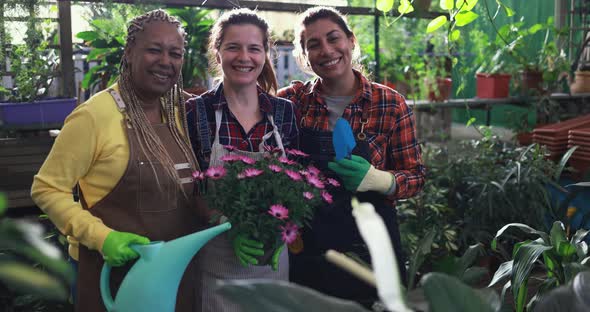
{"x":327,"y":197}
{"x":275,"y":168}
{"x":241,"y":176}
{"x":315,"y":181}
{"x":295,"y":152}
{"x":215,"y":173}
{"x":279,"y":211}
{"x":287,"y":161}
{"x":294,"y":175}
{"x":313,"y":170}
{"x":230,"y":148}
{"x":304,"y":173}
{"x":247,"y":160}
{"x":333,"y":182}
{"x":271,"y":149}
{"x":308,"y":195}
{"x":198,"y":175}
{"x":289,"y":232}
{"x":230,"y":157}
{"x":252,"y":172}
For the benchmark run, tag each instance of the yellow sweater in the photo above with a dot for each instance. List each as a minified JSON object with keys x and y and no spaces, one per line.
{"x":91,"y":149}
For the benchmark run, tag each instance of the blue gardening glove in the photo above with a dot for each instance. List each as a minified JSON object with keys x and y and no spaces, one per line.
{"x":245,"y":249}
{"x":358,"y":175}
{"x":274,"y":262}
{"x":115,"y":249}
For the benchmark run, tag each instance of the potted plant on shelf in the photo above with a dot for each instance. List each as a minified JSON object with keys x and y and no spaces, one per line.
{"x":33,"y":66}
{"x":540,"y":71}
{"x":581,"y":83}
{"x":493,"y":69}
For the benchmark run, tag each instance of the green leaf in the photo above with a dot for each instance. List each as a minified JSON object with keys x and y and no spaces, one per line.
{"x":465,"y":17}
{"x":273,"y":295}
{"x":563,"y":162}
{"x":446,"y":293}
{"x":565,"y":249}
{"x":447,"y":4}
{"x":524,"y":261}
{"x":581,"y":249}
{"x":509,"y":11}
{"x":557,"y":233}
{"x":525,"y":228}
{"x":384,"y":5}
{"x":27,"y":280}
{"x":418,"y":257}
{"x":470,"y":121}
{"x":465,"y":5}
{"x":3,"y":204}
{"x":579,"y":236}
{"x":503,"y":272}
{"x":535,"y":28}
{"x":455,"y":35}
{"x":87,"y":35}
{"x":405,"y":7}
{"x":97,"y":54}
{"x":436,"y":23}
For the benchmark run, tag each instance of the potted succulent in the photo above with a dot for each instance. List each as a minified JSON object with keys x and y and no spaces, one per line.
{"x":34,"y":66}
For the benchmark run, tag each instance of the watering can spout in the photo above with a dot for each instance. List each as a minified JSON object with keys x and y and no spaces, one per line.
{"x":152,"y":283}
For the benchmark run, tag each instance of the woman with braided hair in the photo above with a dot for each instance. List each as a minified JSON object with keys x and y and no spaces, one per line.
{"x":127,"y":149}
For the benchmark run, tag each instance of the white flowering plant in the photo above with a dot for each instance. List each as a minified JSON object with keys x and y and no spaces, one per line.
{"x":270,"y":199}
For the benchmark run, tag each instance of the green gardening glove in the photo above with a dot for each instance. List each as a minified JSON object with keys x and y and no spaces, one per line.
{"x":352,"y":171}
{"x":245,"y":249}
{"x":115,"y":249}
{"x":274,"y":262}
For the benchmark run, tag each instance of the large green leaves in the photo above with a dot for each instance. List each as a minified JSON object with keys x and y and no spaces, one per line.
{"x":524,"y":260}
{"x":30,"y":265}
{"x":445,"y":293}
{"x":523,"y":227}
{"x":280,"y":296}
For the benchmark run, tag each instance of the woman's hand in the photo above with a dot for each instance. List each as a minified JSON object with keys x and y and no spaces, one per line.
{"x":358,"y":175}
{"x":246,"y":249}
{"x":116,"y":251}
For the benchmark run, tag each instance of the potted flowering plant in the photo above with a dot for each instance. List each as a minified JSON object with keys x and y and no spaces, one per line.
{"x":269,"y":199}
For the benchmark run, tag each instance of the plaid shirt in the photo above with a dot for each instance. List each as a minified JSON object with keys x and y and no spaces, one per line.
{"x":231,"y":132}
{"x":390,"y":129}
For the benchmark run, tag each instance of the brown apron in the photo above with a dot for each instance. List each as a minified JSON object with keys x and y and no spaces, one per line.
{"x":137,"y":205}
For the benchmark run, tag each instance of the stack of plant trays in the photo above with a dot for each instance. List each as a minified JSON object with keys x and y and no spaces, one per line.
{"x":555,"y":136}
{"x":580,"y":159}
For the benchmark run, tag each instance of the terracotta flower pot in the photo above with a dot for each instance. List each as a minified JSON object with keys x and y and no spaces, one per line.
{"x":491,"y":86}
{"x":531,"y":80}
{"x":443,"y":90}
{"x":581,"y":83}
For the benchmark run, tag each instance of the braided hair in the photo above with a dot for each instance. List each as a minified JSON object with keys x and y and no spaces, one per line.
{"x":172,"y":102}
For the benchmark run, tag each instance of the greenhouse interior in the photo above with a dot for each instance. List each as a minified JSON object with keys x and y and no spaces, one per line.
{"x":294,"y":155}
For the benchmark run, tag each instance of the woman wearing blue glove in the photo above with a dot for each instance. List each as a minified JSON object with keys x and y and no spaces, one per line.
{"x":239,"y":112}
{"x":127,"y":149}
{"x":386,"y":164}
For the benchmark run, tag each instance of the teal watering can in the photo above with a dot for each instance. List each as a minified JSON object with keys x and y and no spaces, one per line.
{"x":152,"y":283}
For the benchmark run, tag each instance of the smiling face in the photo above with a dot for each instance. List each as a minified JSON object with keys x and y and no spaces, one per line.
{"x":328,"y":49}
{"x":241,"y":55}
{"x":155,"y":58}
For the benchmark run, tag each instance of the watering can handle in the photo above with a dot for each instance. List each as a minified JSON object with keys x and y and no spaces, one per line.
{"x":105,"y":288}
